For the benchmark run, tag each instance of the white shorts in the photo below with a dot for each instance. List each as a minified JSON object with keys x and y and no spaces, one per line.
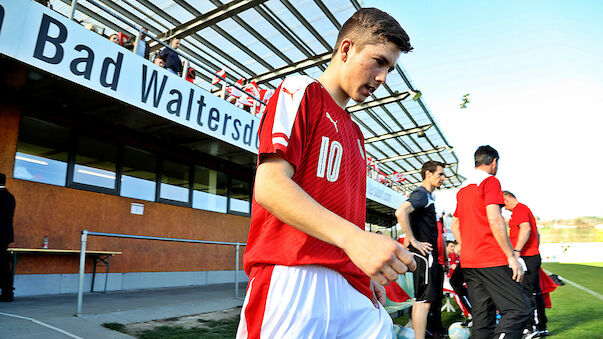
{"x":309,"y":302}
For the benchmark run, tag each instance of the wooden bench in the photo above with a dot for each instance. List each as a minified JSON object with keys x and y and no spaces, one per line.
{"x":396,"y":309}
{"x":103,"y":257}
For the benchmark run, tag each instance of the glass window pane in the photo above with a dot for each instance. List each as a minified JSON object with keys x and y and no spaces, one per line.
{"x":95,"y":163}
{"x":239,"y":196}
{"x":41,"y":152}
{"x":139,"y":174}
{"x":174,"y":181}
{"x":210,"y":190}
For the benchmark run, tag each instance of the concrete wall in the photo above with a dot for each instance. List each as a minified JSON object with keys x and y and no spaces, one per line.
{"x":574,"y":252}
{"x":41,"y":284}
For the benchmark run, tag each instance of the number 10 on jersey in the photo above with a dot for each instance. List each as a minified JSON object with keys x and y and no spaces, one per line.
{"x":329,"y":159}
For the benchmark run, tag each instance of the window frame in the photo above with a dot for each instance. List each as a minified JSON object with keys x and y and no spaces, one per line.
{"x":120,"y":144}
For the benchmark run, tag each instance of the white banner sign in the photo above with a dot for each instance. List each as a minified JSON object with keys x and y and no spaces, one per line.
{"x":383,"y":194}
{"x":38,"y":36}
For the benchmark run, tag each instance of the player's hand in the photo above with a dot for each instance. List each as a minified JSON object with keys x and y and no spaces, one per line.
{"x":423,"y":247}
{"x":378,"y":293}
{"x":516,"y":268}
{"x":379,"y":257}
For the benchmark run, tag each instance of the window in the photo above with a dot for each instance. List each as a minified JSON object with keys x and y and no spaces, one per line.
{"x":41,"y":152}
{"x":210,"y":190}
{"x":138,"y":176}
{"x":239,"y":196}
{"x":53,"y":154}
{"x":174,"y":182}
{"x":95,"y":163}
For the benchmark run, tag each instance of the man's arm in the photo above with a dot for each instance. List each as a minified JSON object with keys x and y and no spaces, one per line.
{"x":402,"y":214}
{"x":524,"y":235}
{"x":499,"y":230}
{"x":379,"y":257}
{"x":456,"y":230}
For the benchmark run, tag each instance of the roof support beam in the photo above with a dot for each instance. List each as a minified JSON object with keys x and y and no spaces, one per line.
{"x":381,"y":101}
{"x":419,"y":170}
{"x":210,"y":18}
{"x":411,"y":155}
{"x":293,"y":68}
{"x":397,"y":134}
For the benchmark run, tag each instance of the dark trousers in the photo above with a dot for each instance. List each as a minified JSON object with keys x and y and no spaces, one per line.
{"x":492,"y":289}
{"x":434,"y":319}
{"x":6,"y":276}
{"x":457,"y":281}
{"x":532,"y":285}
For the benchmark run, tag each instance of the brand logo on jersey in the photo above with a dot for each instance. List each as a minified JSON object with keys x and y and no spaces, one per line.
{"x":333,"y":121}
{"x":290,"y":93}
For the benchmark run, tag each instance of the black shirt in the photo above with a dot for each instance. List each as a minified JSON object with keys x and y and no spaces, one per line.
{"x":423,"y":218}
{"x":7,"y":211}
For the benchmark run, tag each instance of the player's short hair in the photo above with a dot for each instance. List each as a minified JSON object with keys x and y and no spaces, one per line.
{"x":2,"y":179}
{"x":509,"y":194}
{"x":484,"y":155}
{"x":451,"y":242}
{"x":430,"y":166}
{"x":372,"y":26}
{"x":160,"y":57}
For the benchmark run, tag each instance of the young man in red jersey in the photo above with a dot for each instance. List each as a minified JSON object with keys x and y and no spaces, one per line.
{"x":314,"y":272}
{"x":491,"y":267}
{"x":524,"y":238}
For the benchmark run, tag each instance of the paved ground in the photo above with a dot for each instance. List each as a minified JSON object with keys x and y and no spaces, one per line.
{"x":50,"y":317}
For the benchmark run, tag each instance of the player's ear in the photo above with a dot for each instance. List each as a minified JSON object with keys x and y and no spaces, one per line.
{"x":344,"y":49}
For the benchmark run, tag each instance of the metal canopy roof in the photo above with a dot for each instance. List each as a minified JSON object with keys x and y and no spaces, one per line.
{"x":265,"y":40}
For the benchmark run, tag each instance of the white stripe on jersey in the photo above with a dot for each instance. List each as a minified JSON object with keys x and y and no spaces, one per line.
{"x":289,"y":98}
{"x":360,"y":148}
{"x":280,"y":140}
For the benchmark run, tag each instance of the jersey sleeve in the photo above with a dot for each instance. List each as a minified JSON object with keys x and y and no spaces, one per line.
{"x":520,"y":215}
{"x":492,"y":192}
{"x":418,"y":199}
{"x":287,"y":123}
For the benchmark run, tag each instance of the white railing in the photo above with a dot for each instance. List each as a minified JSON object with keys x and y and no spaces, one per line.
{"x":84,"y":239}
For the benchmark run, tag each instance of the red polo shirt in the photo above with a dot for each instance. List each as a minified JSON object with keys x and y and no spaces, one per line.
{"x":521,"y":214}
{"x":479,"y":247}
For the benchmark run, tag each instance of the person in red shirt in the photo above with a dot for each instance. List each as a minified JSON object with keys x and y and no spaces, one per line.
{"x":313,"y":270}
{"x":491,"y":267}
{"x":524,"y":237}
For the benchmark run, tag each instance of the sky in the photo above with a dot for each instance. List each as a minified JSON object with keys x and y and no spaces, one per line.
{"x":534,"y":72}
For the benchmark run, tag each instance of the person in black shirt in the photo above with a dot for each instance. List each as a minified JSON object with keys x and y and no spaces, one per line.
{"x":417,"y":217}
{"x":7,"y":210}
{"x":172,"y":60}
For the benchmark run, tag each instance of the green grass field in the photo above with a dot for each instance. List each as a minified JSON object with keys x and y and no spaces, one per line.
{"x":575,"y":313}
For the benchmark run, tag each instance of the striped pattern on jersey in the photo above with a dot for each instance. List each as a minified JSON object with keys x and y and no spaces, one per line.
{"x":304,"y":126}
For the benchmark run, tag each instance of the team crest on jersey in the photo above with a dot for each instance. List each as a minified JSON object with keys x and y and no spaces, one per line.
{"x":333,"y":121}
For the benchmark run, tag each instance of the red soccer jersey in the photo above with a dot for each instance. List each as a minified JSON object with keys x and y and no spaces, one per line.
{"x":479,"y":248}
{"x":305,"y":126}
{"x":521,"y":214}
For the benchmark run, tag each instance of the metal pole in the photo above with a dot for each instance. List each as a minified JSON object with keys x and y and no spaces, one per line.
{"x":237,"y":270}
{"x":73,"y":7}
{"x":185,"y":68}
{"x":80,"y":288}
{"x":137,"y":41}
